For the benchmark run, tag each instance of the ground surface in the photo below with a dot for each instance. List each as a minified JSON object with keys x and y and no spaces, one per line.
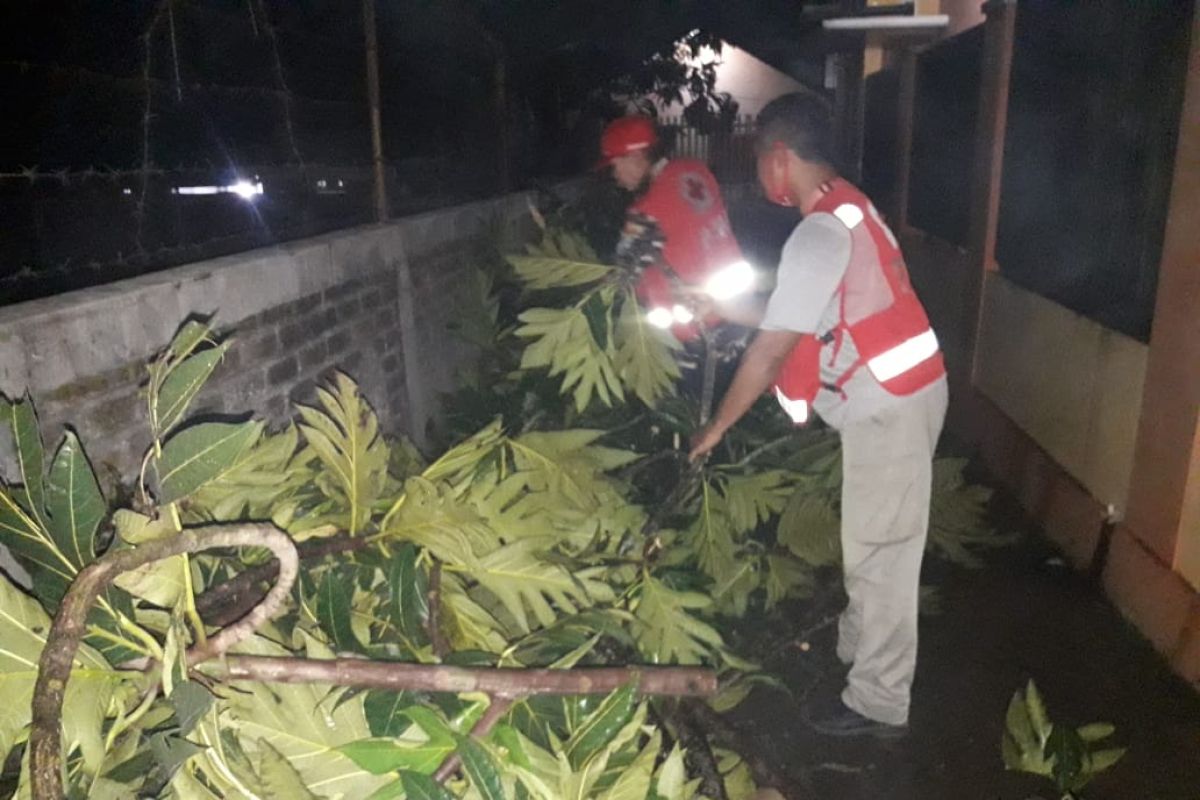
{"x":1024,"y":615}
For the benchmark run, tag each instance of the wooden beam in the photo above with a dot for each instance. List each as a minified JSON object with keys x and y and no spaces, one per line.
{"x":372,"y":46}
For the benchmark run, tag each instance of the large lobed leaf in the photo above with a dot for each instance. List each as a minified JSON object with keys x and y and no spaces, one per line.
{"x":644,"y":358}
{"x":668,"y":633}
{"x":564,"y":343}
{"x":305,"y":723}
{"x":345,"y":438}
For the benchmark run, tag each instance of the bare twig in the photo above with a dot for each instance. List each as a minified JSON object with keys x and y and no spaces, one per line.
{"x":498,"y":708}
{"x":62,"y":643}
{"x":497,"y":682}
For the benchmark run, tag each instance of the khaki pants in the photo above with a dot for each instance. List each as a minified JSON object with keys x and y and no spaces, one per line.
{"x":887,"y":469}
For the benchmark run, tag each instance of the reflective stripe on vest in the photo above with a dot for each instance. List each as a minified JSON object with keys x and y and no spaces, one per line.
{"x":796,"y":409}
{"x":904,"y":356}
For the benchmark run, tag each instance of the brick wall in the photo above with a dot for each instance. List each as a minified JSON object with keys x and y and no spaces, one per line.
{"x":372,"y":301}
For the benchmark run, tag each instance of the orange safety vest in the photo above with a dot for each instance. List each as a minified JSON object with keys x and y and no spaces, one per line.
{"x":685,"y":201}
{"x":877,"y":309}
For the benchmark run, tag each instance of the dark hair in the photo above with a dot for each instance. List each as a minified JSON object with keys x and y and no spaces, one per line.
{"x":802,"y":123}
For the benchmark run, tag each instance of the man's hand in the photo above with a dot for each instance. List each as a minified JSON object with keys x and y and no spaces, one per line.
{"x":704,"y":440}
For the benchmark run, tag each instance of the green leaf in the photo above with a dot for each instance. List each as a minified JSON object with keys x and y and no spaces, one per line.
{"x":564,"y":343}
{"x":191,"y":701}
{"x":202,"y":453}
{"x":74,"y":502}
{"x":1038,"y":717}
{"x":182,"y":383}
{"x":644,"y":356}
{"x":386,"y":711}
{"x":633,"y":782}
{"x":344,"y":436}
{"x":21,"y":532}
{"x":787,"y":577}
{"x":672,"y":777}
{"x":480,"y":768}
{"x":810,"y":528}
{"x":334,"y":609}
{"x":190,"y":336}
{"x":1095,"y":732}
{"x":22,"y":420}
{"x":597,"y":316}
{"x":1100,"y":760}
{"x":303,"y":722}
{"x":602,"y":725}
{"x":1018,"y":725}
{"x":277,"y":775}
{"x":422,"y":787}
{"x":421,"y":746}
{"x":668,"y":633}
{"x":381,"y":756}
{"x":540,"y":272}
{"x":23,"y":629}
{"x":409,"y":587}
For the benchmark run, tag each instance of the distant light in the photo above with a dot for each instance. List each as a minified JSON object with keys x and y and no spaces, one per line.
{"x":192,"y":190}
{"x":127,"y":191}
{"x":321,"y":184}
{"x":243,"y":189}
{"x":341,"y":183}
{"x":246,"y":189}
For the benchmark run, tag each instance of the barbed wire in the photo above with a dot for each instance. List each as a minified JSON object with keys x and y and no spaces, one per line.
{"x":66,"y":177}
{"x":137,"y":84}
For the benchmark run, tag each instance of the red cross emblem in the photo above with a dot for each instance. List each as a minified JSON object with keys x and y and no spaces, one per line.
{"x":695,"y":192}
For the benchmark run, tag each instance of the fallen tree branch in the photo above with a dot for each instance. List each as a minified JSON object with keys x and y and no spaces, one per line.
{"x":62,"y":643}
{"x":230,"y":600}
{"x":497,"y":682}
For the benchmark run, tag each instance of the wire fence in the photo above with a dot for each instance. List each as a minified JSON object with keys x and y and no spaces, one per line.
{"x":187,"y":129}
{"x":148,"y":134}
{"x":728,"y":153}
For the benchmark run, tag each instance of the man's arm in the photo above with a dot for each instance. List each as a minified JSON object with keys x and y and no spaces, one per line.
{"x":755,"y":375}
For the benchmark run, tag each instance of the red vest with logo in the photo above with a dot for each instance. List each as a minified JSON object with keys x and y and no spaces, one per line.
{"x":877,"y":309}
{"x":685,"y":201}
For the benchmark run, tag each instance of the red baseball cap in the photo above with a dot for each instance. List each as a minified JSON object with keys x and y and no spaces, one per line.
{"x":626,"y":135}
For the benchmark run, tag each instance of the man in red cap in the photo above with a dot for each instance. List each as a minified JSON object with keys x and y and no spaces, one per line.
{"x":677,"y":241}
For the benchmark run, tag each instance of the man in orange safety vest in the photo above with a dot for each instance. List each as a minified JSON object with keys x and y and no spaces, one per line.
{"x":844,"y":335}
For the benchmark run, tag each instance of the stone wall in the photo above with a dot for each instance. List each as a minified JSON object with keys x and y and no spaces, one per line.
{"x":373,"y":301}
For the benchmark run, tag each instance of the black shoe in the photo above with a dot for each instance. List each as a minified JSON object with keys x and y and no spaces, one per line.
{"x":845,"y":722}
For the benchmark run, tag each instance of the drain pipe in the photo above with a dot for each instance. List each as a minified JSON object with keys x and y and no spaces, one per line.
{"x":1112,"y":518}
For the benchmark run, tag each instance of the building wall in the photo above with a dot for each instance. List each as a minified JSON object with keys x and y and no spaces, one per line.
{"x":1072,"y":385}
{"x":373,"y":301}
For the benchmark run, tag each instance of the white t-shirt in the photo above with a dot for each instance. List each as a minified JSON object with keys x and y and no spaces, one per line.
{"x":811,"y":266}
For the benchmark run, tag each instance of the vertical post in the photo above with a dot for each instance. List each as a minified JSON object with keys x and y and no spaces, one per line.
{"x":991,"y":122}
{"x":372,"y":46}
{"x":906,"y":98}
{"x":850,"y":110}
{"x":500,"y":100}
{"x":1164,"y":493}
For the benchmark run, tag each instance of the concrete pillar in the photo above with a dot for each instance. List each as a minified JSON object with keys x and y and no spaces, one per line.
{"x":992,"y":122}
{"x":1164,"y":502}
